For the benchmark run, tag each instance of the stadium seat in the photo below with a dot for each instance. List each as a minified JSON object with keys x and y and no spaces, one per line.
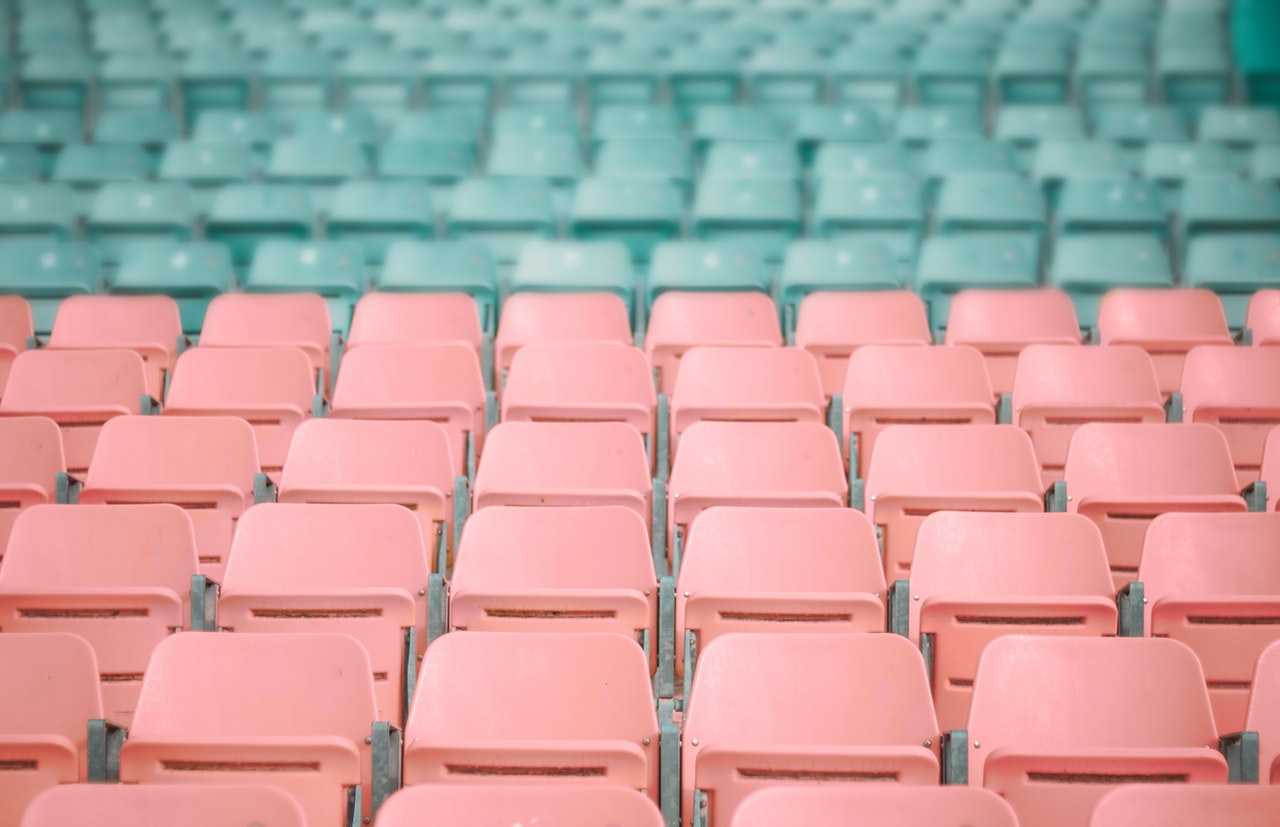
{"x":1171,"y":164}
{"x":1030,"y":76}
{"x":1112,"y":205}
{"x":120,"y":805}
{"x":888,"y":385}
{"x":812,"y":265}
{"x":475,"y":805}
{"x":206,"y":464}
{"x":190,"y":272}
{"x":148,"y":325}
{"x":919,"y":469}
{"x":791,"y":464}
{"x":747,"y":712}
{"x":298,"y":320}
{"x":879,"y":207}
{"x":1218,"y":204}
{"x":1089,"y":266}
{"x":872,"y":77}
{"x":699,"y":80}
{"x":45,"y":130}
{"x":290,"y":710}
{"x":1165,"y":323}
{"x":443,"y":266}
{"x":125,"y":213}
{"x":1123,"y":475}
{"x":681,"y":320}
{"x":832,"y":326}
{"x":20,"y":164}
{"x":950,"y":264}
{"x":1234,"y":267}
{"x":1238,"y":128}
{"x":664,"y":161}
{"x":876,"y":806}
{"x":1263,"y":318}
{"x":417,"y":318}
{"x":502,"y":213}
{"x":376,"y":214}
{"x":638,"y":214}
{"x":992,"y":203}
{"x":573,"y":704}
{"x":1264,"y":163}
{"x":634,"y":122}
{"x":621,"y":74}
{"x":1064,"y":719}
{"x":1193,"y":78}
{"x":79,"y":390}
{"x":587,"y":318}
{"x":31,"y":447}
{"x":86,"y":167}
{"x":824,"y":124}
{"x":1238,"y":391}
{"x":458,"y":79}
{"x":50,"y":696}
{"x":16,"y":331}
{"x":575,"y":267}
{"x":920,"y":125}
{"x":717,"y":265}
{"x":295,"y":79}
{"x":245,"y":216}
{"x":945,"y":159}
{"x":120,"y":577}
{"x":732,"y":159}
{"x":1059,"y":388}
{"x":1029,"y":126}
{"x":553,"y":159}
{"x":839,"y":160}
{"x":1135,"y":125}
{"x":205,"y":167}
{"x":254,"y":131}
{"x":37,"y":212}
{"x":215,"y":79}
{"x":295,"y":568}
{"x":1001,"y":323}
{"x":442,"y":163}
{"x":1187,"y":805}
{"x":972,"y":580}
{"x":765,"y":213}
{"x":1261,"y":715}
{"x":1058,"y":161}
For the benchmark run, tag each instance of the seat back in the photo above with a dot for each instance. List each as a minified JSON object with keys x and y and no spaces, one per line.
{"x":31,"y":458}
{"x":1165,"y":323}
{"x":832,"y":325}
{"x":149,"y":325}
{"x":1262,"y":716}
{"x":876,"y":806}
{"x":1188,"y":805}
{"x":124,"y":805}
{"x":1237,"y":390}
{"x":532,"y":318}
{"x":680,"y":320}
{"x":298,"y":320}
{"x":16,"y":328}
{"x":470,"y":805}
{"x":1271,"y":467}
{"x":1000,"y":323}
{"x":748,"y":384}
{"x":1264,"y":317}
{"x":415,"y":318}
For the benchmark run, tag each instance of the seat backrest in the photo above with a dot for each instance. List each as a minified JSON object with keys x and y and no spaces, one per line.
{"x":1264,"y":317}
{"x":1263,"y":716}
{"x":529,"y":318}
{"x":876,"y":806}
{"x":750,"y":384}
{"x":150,"y":325}
{"x":1236,"y":389}
{"x":1271,"y":467}
{"x":1127,"y":462}
{"x":16,"y":328}
{"x":681,"y":320}
{"x":1188,"y":805}
{"x":415,"y":318}
{"x":1000,"y":323}
{"x":1165,"y":323}
{"x":30,"y":459}
{"x":246,"y":381}
{"x":472,"y":805}
{"x":580,"y":382}
{"x":125,"y":805}
{"x":268,"y":319}
{"x":832,"y":325}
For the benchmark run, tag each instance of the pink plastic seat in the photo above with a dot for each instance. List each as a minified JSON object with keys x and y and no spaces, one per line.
{"x":462,"y":805}
{"x":771,"y":710}
{"x":977,"y":576}
{"x":532,"y":318}
{"x":1188,"y":805}
{"x":1212,"y":581}
{"x":289,"y":710}
{"x":360,"y":570}
{"x":920,"y":469}
{"x":117,"y":576}
{"x":440,"y":383}
{"x":778,"y":570}
{"x":1059,"y":388}
{"x":556,"y":570}
{"x":47,"y":698}
{"x":148,"y":325}
{"x":566,"y":709}
{"x":1264,"y":317}
{"x":746,"y":384}
{"x":367,"y":461}
{"x":1122,"y":476}
{"x":1271,"y":467}
{"x":1059,"y":721}
{"x":271,"y":388}
{"x":131,"y":805}
{"x":679,"y":321}
{"x":832,"y":325}
{"x":876,"y":805}
{"x":1000,"y":323}
{"x":792,"y":464}
{"x":30,"y":460}
{"x":415,"y":319}
{"x":889,"y":385}
{"x":78,"y":389}
{"x":1237,"y":390}
{"x":206,"y":464}
{"x":574,"y":382}
{"x":1263,"y":715}
{"x":16,"y":328}
{"x":298,"y":320}
{"x":1164,"y":323}
{"x":565,"y":463}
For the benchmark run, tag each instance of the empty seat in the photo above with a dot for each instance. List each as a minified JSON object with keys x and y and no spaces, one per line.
{"x":416,"y":318}
{"x":575,"y":267}
{"x":1210,"y":580}
{"x":1165,"y":323}
{"x":993,"y":203}
{"x":1170,"y":164}
{"x":298,"y":320}
{"x":1238,"y":391}
{"x":1058,"y":161}
{"x":190,"y":272}
{"x":876,"y":806}
{"x":16,"y":331}
{"x":1220,"y":204}
{"x":1121,"y":205}
{"x":681,"y":320}
{"x":1122,"y":476}
{"x":360,"y":570}
{"x":766,"y":213}
{"x":1264,"y":317}
{"x":791,"y":464}
{"x":437,"y":382}
{"x":977,"y":576}
{"x":888,"y":385}
{"x":271,"y":388}
{"x":883,"y":207}
{"x":946,"y":159}
{"x":749,"y":724}
{"x":638,"y":214}
{"x":502,"y":213}
{"x":1089,"y":266}
{"x":1261,"y":715}
{"x":1187,"y":805}
{"x":814,"y":265}
{"x":79,"y":390}
{"x":376,"y":214}
{"x":50,"y":694}
{"x":242,"y":216}
{"x":147,"y":325}
{"x":31,"y":450}
{"x":46,"y":272}
{"x":118,"y":576}
{"x":489,"y":706}
{"x":981,"y":260}
{"x":1001,"y":323}
{"x":1135,"y":126}
{"x":1058,"y":721}
{"x":31,"y":212}
{"x":919,"y":469}
{"x":332,"y":269}
{"x":1059,"y":388}
{"x":443,"y":266}
{"x":205,"y":167}
{"x":1234,"y":266}
{"x":290,"y":710}
{"x":833,"y":325}
{"x":658,"y":161}
{"x":1028,"y":127}
{"x":206,"y":464}
{"x":532,"y":318}
{"x":123,"y":805}
{"x":318,"y":162}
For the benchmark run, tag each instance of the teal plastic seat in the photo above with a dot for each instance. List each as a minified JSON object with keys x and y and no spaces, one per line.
{"x":296,"y":80}
{"x":334,"y":269}
{"x":256,"y":130}
{"x":442,"y":164}
{"x":733,"y":123}
{"x":215,"y":79}
{"x":786,"y":77}
{"x":48,"y":132}
{"x":192,"y":273}
{"x":379,"y":80}
{"x":36,"y":211}
{"x":1059,"y":161}
{"x":45,"y":272}
{"x":874,"y":76}
{"x":20,"y":164}
{"x":1191,"y":78}
{"x":454,"y":125}
{"x":503,"y":213}
{"x":850,"y":160}
{"x":768,"y":160}
{"x":458,"y":78}
{"x":740,"y":41}
{"x":542,"y":77}
{"x":951,"y":76}
{"x":813,"y":265}
{"x":1235,"y":267}
{"x":443,"y":267}
{"x":949,"y":264}
{"x":377,"y":213}
{"x":763,"y":212}
{"x":996,"y":203}
{"x":415,"y":33}
{"x":946,"y":159}
{"x":1169,"y":165}
{"x":919,"y":126}
{"x":85,"y":167}
{"x":353,"y":125}
{"x":137,"y":81}
{"x":697,"y":77}
{"x":901,"y":36}
{"x":886,"y":208}
{"x":647,"y":161}
{"x":635,"y":122}
{"x":1228,"y":205}
{"x":1112,"y":205}
{"x":622,"y":75}
{"x":205,"y":167}
{"x":565,"y":34}
{"x":576,"y":267}
{"x":1032,"y":74}
{"x":846,"y":123}
{"x":1239,"y":128}
{"x":535,"y":121}
{"x":242,"y":216}
{"x":152,"y":130}
{"x":1133,"y":127}
{"x":706,"y":266}
{"x":808,"y":33}
{"x":1264,"y":163}
{"x":320,"y":164}
{"x":1086,"y":266}
{"x":554,"y":158}
{"x":1111,"y":76}
{"x":637,"y":214}
{"x":126,"y":212}
{"x":57,"y":80}
{"x":1028,"y":126}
